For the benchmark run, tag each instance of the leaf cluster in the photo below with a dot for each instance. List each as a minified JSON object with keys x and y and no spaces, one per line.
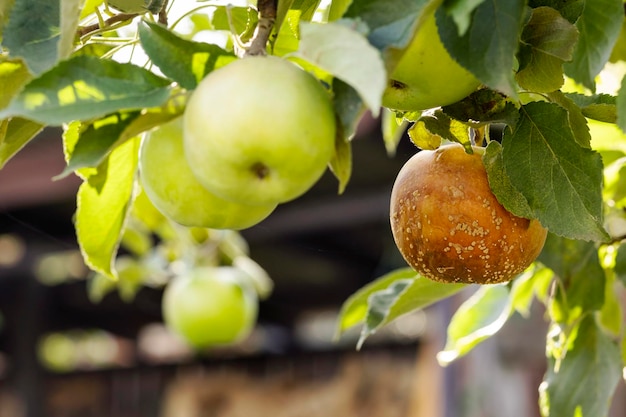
{"x":551,"y":112}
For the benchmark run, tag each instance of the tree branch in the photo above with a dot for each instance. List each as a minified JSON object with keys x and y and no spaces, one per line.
{"x":267,"y":16}
{"x":86,"y":30}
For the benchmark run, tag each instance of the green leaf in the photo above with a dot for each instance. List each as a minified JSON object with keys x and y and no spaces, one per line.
{"x":621,"y":106}
{"x":548,"y":40}
{"x":477,"y":319}
{"x":391,"y":22}
{"x":70,"y":15}
{"x":535,"y":281}
{"x":13,"y":76}
{"x":379,"y":305}
{"x":569,"y":9}
{"x":83,"y":88}
{"x":392,"y":130}
{"x":561,"y":180}
{"x":243,"y":20}
{"x":349,"y":108}
{"x":430,"y":128}
{"x":620,"y":263}
{"x":487,"y":50}
{"x":483,"y":107}
{"x":354,"y":309}
{"x":346,"y":54}
{"x":90,"y":7}
{"x":582,"y":278}
{"x":422,"y":293}
{"x":96,"y":141}
{"x":184,"y":61}
{"x":341,"y":162}
{"x":610,"y":317}
{"x":337,"y":9}
{"x":15,"y":133}
{"x":586,"y":379}
{"x":599,"y":27}
{"x":461,"y":12}
{"x":422,"y":136}
{"x":577,"y":119}
{"x":600,"y":107}
{"x":500,"y":183}
{"x":32,"y":33}
{"x":401,"y":297}
{"x":103,"y":200}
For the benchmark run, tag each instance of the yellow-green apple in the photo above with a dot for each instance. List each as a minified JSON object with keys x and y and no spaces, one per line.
{"x":172,"y":187}
{"x":259,"y":130}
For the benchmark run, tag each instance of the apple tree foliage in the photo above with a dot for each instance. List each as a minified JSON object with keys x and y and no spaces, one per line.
{"x":552,"y":75}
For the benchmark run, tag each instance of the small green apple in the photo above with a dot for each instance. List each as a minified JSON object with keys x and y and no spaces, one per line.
{"x":171,"y":186}
{"x":210,"y":306}
{"x":426,"y":76}
{"x":259,"y":131}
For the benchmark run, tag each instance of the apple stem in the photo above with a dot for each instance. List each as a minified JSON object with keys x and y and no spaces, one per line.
{"x":267,"y":17}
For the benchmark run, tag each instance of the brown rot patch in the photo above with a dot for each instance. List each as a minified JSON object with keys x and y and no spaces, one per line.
{"x":455,"y":230}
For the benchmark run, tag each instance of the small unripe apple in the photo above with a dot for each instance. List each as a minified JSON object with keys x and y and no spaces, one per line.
{"x":175,"y":191}
{"x":426,"y":76}
{"x":210,"y":306}
{"x":259,"y":130}
{"x":450,"y":227}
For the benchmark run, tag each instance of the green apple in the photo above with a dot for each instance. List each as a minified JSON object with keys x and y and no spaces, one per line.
{"x":426,"y":76}
{"x":171,"y":186}
{"x":210,"y":306}
{"x":259,"y":130}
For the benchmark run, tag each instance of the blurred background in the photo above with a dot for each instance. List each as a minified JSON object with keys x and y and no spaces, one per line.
{"x":63,"y":355}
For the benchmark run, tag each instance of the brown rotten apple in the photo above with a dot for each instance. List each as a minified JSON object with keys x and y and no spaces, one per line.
{"x":449,"y":226}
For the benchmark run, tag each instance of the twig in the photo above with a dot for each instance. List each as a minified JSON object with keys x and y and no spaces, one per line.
{"x":267,"y":16}
{"x":86,"y":30}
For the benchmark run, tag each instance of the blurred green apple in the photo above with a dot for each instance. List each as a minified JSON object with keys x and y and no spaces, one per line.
{"x":259,"y":130}
{"x":175,"y":191}
{"x":426,"y":76}
{"x":210,"y":306}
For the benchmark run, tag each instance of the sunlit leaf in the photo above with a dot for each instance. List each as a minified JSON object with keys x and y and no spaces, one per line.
{"x":15,"y":133}
{"x":103,"y":201}
{"x":354,"y":309}
{"x":96,"y":141}
{"x":184,"y":61}
{"x":478,"y":318}
{"x":13,"y":76}
{"x":85,"y":87}
{"x":346,"y":54}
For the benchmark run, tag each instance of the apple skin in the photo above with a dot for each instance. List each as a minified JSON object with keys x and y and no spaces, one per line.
{"x":259,"y":131}
{"x":171,"y":186}
{"x":209,"y":306}
{"x":450,"y":227}
{"x":426,"y":76}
